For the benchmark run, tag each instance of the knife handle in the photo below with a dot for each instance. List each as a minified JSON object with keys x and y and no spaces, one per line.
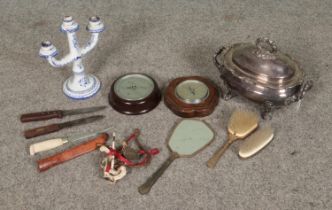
{"x":46,"y":145}
{"x":37,"y":116}
{"x":41,"y":130}
{"x":72,"y":153}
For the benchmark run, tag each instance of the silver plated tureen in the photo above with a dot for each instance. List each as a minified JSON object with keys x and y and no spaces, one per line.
{"x":261,"y":73}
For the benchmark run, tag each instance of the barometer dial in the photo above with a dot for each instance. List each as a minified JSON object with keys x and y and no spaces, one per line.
{"x":192,"y":91}
{"x":134,"y":94}
{"x":134,"y":87}
{"x":192,"y":96}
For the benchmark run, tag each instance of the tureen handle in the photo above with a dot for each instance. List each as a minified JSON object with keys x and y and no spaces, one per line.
{"x":227,"y":92}
{"x":306,"y":86}
{"x":266,"y":44}
{"x":266,"y":48}
{"x":216,"y":62}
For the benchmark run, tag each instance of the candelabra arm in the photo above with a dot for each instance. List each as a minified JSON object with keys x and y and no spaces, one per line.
{"x":60,"y":63}
{"x":49,"y":52}
{"x":91,"y":44}
{"x":95,"y":27}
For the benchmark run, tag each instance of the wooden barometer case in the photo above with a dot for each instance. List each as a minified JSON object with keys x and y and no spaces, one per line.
{"x":192,"y":96}
{"x":134,"y":94}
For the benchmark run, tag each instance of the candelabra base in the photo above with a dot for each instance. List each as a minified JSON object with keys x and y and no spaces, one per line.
{"x":82,"y":88}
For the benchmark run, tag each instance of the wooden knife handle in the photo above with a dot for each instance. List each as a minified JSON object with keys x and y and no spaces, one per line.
{"x":41,"y":116}
{"x":72,"y":153}
{"x":41,"y":130}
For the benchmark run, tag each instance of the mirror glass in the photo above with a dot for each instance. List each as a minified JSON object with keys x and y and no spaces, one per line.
{"x":190,"y":136}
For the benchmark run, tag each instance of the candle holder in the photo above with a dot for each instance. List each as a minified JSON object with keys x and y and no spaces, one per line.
{"x":80,"y":85}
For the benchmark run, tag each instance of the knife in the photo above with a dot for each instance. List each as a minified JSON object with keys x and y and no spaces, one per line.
{"x":74,"y":152}
{"x":58,"y":126}
{"x":57,"y":142}
{"x":37,"y":116}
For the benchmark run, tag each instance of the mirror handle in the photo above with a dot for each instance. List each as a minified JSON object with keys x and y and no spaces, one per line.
{"x":146,"y":187}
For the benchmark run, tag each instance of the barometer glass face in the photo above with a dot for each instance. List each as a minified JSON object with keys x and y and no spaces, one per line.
{"x":192,"y":91}
{"x":134,"y":87}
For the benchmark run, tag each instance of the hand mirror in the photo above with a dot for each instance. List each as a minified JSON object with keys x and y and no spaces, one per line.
{"x":187,"y":139}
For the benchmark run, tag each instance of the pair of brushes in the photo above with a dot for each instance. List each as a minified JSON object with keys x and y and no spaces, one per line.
{"x":241,"y":124}
{"x":57,"y":142}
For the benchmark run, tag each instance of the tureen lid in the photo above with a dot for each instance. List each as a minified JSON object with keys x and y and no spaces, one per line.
{"x":262,"y":61}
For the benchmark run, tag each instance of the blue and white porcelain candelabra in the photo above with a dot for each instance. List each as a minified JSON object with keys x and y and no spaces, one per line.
{"x":80,"y":85}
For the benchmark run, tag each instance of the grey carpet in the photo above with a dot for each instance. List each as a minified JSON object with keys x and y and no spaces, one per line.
{"x":166,"y":39}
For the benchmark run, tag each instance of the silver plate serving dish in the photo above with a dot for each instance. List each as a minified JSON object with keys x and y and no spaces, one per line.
{"x":261,"y":73}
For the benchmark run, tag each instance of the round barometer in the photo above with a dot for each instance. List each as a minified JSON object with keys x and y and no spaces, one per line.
{"x":192,"y":91}
{"x":191,"y":96}
{"x":134,"y":94}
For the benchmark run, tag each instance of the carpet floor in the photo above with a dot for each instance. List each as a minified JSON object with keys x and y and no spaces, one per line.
{"x":166,"y":39}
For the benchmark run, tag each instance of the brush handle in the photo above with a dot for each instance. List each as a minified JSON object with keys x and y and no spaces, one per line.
{"x":37,"y":116}
{"x":72,"y":153}
{"x":46,"y":145}
{"x":146,"y":187}
{"x":212,"y":162}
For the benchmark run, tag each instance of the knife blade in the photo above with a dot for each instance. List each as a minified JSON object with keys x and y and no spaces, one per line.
{"x":58,"y":126}
{"x":37,"y":116}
